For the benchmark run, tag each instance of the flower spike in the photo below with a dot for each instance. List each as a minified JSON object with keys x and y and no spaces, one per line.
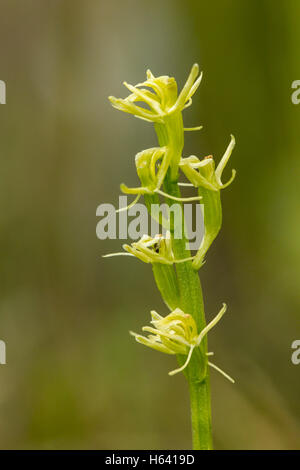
{"x":157,"y":100}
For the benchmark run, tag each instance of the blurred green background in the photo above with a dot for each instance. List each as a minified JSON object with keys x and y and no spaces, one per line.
{"x":74,"y":378}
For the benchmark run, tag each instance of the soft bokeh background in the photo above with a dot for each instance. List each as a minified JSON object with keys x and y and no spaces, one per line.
{"x":74,"y":377}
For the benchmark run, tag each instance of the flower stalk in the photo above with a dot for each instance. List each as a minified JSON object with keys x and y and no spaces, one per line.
{"x":183,"y":332}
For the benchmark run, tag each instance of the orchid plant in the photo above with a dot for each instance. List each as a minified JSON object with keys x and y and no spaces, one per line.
{"x":183,"y":331}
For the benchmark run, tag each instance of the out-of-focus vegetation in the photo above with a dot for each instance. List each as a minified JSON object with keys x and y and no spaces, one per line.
{"x":74,"y":378}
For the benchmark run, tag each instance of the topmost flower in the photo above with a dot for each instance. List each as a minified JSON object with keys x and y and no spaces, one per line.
{"x":160,"y":96}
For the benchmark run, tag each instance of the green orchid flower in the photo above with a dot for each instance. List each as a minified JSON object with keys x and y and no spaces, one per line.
{"x":177,"y":334}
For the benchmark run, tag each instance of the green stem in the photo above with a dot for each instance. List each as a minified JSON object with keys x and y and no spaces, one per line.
{"x":200,"y":415}
{"x":166,"y":281}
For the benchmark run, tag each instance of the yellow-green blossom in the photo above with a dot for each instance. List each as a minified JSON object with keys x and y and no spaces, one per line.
{"x":202,"y":173}
{"x":176,"y":334}
{"x":160,"y":96}
{"x":151,"y":178}
{"x":152,"y":250}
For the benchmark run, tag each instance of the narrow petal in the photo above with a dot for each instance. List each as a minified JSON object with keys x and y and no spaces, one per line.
{"x":151,"y":344}
{"x":211,"y":324}
{"x":176,"y":371}
{"x":221,"y":372}
{"x":224,"y":160}
{"x":144,"y":96}
{"x":184,"y":94}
